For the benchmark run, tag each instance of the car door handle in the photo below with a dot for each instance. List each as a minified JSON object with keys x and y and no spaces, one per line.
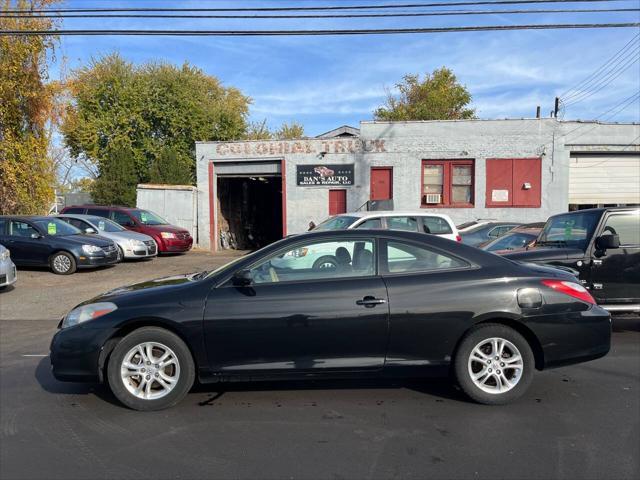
{"x":369,"y":301}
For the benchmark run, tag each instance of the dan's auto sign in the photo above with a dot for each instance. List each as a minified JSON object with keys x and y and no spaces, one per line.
{"x":325,"y":174}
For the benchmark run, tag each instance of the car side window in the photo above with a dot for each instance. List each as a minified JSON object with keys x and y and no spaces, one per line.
{"x":436,"y":226}
{"x":318,"y":261}
{"x":98,"y":212}
{"x":626,"y":226}
{"x":3,"y":225}
{"x":406,"y":258}
{"x":77,"y":223}
{"x":21,"y":229}
{"x":409,"y":224}
{"x":122,"y":218}
{"x":371,"y":223}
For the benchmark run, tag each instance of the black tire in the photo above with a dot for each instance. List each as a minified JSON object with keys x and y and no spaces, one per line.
{"x":462,"y":362}
{"x":120,"y":254}
{"x":156,"y":335}
{"x":324,"y":262}
{"x":60,"y":260}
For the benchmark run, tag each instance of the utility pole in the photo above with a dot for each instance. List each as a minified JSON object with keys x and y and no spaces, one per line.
{"x":556,"y":107}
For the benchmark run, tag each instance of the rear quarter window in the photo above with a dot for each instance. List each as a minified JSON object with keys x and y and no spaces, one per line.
{"x":436,"y":226}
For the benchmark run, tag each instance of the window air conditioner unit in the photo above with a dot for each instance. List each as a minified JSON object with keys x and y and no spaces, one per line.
{"x":433,"y":198}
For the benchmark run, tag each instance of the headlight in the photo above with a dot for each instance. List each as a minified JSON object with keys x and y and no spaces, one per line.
{"x":89,"y":249}
{"x":297,"y":253}
{"x":135,"y":243}
{"x":167,"y":235}
{"x":87,"y":312}
{"x":4,"y":255}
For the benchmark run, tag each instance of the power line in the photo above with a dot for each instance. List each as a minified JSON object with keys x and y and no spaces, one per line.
{"x":369,"y":31}
{"x":588,"y":80}
{"x":605,"y":81}
{"x":339,"y":15}
{"x":290,"y":9}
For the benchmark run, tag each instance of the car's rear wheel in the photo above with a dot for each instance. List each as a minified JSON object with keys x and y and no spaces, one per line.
{"x":494,"y":364}
{"x":150,"y":369}
{"x":62,"y":263}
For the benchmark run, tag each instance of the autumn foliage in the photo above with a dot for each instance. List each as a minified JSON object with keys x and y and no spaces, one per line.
{"x":26,"y":104}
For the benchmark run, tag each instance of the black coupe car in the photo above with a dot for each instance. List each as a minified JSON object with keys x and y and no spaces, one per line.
{"x":392,"y":304}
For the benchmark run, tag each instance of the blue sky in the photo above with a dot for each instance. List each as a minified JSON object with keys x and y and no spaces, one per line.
{"x":324,"y":82}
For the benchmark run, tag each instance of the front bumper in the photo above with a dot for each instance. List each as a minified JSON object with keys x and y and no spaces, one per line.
{"x":573,"y":337}
{"x":146,"y":251}
{"x":8,"y":273}
{"x":75,"y":353}
{"x":90,"y":261}
{"x":176,"y":245}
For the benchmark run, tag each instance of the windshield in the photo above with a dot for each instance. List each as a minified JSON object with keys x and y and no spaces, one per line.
{"x":148,"y":218}
{"x":105,"y":225}
{"x":336,"y":223}
{"x":569,"y":230}
{"x":510,"y":241}
{"x":56,"y":227}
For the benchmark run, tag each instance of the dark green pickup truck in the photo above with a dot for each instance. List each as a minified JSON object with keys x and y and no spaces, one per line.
{"x":603,"y":245}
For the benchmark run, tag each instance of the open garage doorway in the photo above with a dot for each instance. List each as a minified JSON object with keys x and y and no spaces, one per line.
{"x":249,"y":211}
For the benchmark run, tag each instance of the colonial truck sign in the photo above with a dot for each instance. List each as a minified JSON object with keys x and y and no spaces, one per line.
{"x":324,"y":175}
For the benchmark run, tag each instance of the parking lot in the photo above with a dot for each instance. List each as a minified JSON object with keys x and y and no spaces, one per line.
{"x":581,"y":421}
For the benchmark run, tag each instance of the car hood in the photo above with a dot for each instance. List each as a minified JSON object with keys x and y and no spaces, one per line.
{"x":538,"y":255}
{"x":87,"y":239}
{"x":127,"y":235}
{"x":166,"y":228}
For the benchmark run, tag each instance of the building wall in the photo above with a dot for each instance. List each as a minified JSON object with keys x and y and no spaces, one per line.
{"x":175,"y":203}
{"x":403,"y":146}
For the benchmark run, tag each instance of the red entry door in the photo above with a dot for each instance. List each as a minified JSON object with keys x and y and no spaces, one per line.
{"x":381,"y":183}
{"x":337,"y":202}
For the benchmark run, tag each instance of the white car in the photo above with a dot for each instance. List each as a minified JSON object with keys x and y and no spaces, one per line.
{"x":432,"y":223}
{"x":332,"y":255}
{"x":8,"y":273}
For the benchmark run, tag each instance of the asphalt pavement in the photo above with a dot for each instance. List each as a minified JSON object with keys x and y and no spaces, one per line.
{"x":581,"y":421}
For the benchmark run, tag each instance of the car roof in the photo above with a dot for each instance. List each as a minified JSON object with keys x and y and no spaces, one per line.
{"x":83,"y":216}
{"x":26,"y":217}
{"x":117,"y":207}
{"x":600,"y":210}
{"x":393,"y":213}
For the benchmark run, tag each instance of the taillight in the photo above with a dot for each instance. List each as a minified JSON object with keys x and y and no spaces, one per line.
{"x":458,"y":238}
{"x":572,"y":289}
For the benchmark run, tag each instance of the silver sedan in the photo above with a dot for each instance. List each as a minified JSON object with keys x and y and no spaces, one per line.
{"x":130,"y":244}
{"x":8,"y":273}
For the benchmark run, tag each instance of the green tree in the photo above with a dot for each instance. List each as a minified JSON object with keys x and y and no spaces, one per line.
{"x":26,"y":171}
{"x":438,"y":97}
{"x":147,"y":109}
{"x":116,"y":183}
{"x":260,"y":131}
{"x":168,"y":169}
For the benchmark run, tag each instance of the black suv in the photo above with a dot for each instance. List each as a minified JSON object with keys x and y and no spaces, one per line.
{"x":48,"y":241}
{"x":603,"y":245}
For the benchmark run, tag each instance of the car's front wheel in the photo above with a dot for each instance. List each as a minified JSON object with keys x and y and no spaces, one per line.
{"x":494,"y":364}
{"x":150,"y":369}
{"x":62,"y":263}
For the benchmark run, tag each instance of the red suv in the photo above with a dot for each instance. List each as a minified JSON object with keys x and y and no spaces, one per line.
{"x":170,"y":239}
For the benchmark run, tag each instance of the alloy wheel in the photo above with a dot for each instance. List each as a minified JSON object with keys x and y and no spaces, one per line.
{"x":150,"y":370}
{"x":495,"y":365}
{"x":61,"y":263}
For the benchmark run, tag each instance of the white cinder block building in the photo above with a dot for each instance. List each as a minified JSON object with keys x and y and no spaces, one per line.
{"x":254,"y":192}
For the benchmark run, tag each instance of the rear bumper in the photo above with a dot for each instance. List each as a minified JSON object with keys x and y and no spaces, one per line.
{"x":573,"y":337}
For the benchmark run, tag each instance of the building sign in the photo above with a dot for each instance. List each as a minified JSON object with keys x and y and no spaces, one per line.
{"x":292,"y":147}
{"x":329,"y":175}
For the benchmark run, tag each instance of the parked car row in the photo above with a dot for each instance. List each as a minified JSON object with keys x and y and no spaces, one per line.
{"x":85,"y":237}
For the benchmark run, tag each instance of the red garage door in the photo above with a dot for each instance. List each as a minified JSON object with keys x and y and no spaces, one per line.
{"x":514,"y":182}
{"x":337,"y":202}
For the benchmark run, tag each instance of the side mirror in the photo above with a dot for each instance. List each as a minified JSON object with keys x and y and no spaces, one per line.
{"x":36,"y":236}
{"x":242,"y":278}
{"x":90,"y":230}
{"x":605,"y":242}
